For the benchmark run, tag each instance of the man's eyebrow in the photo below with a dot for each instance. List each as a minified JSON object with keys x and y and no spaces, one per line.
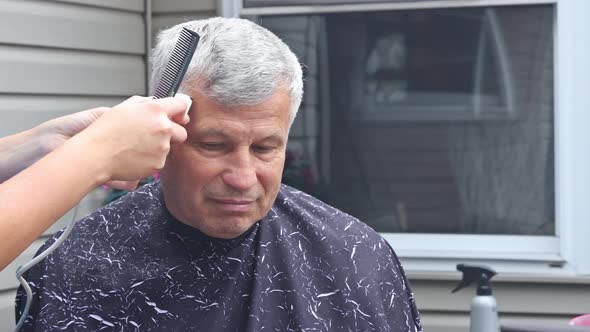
{"x":274,"y":138}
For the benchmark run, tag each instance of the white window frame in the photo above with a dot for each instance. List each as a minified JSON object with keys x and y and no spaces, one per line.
{"x":567,"y":253}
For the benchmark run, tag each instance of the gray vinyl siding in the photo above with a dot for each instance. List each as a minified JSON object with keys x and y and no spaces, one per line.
{"x":545,"y":300}
{"x":60,"y":57}
{"x":167,"y":13}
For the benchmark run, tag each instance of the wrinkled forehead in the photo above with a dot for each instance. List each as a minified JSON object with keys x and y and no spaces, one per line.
{"x":212,"y":118}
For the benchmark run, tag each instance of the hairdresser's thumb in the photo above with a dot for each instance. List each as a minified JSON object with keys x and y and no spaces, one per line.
{"x":185,"y":119}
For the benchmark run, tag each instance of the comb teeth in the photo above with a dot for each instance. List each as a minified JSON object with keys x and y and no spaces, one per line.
{"x":177,"y":64}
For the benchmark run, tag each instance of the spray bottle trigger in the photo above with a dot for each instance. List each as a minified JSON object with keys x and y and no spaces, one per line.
{"x":479,"y":274}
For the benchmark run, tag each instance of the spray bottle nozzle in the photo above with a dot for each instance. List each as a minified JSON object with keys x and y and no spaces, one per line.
{"x":479,"y":274}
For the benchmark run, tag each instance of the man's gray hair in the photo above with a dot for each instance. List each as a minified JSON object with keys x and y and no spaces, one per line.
{"x":236,"y":63}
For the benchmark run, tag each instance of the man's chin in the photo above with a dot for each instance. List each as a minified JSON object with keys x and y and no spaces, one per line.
{"x":229,"y":228}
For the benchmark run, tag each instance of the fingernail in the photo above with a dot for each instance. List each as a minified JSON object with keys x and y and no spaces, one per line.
{"x":186,"y":99}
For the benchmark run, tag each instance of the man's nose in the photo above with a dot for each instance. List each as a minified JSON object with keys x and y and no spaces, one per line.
{"x":241,"y":171}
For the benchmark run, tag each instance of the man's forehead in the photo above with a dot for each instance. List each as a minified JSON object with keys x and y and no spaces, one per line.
{"x":221,"y":131}
{"x":277,"y":104}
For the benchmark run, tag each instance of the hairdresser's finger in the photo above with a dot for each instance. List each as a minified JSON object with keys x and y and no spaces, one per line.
{"x":179,"y":134}
{"x":187,"y":99}
{"x":92,"y":114}
{"x":185,"y":119}
{"x":135,"y":100}
{"x":175,"y":107}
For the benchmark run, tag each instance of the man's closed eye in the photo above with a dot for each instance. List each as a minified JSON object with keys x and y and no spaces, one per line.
{"x":263,"y":149}
{"x":213,"y":146}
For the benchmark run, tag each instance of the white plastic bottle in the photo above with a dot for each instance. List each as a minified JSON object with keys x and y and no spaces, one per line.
{"x":484,"y":311}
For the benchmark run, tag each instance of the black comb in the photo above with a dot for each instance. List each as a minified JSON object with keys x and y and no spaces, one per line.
{"x":177,"y":64}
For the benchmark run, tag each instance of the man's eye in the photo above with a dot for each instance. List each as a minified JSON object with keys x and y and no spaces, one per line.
{"x":263,"y":149}
{"x":213,"y":146}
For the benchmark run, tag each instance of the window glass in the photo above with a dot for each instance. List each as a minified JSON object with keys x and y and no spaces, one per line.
{"x":427,"y":121}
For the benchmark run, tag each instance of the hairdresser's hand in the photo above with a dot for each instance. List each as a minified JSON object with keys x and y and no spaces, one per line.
{"x":56,"y":131}
{"x":131,"y":141}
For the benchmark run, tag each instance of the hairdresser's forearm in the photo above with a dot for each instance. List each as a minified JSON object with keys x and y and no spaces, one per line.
{"x":19,"y":151}
{"x":33,"y":200}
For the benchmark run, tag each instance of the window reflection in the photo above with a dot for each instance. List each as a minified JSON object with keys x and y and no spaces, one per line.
{"x":429,"y":121}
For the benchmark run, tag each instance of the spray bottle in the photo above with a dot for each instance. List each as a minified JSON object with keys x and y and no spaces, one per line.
{"x":484,"y":314}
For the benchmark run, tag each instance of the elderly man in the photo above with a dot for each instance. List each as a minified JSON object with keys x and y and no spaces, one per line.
{"x":219,"y":244}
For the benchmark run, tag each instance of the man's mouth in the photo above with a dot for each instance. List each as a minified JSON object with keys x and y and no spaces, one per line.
{"x":234,"y":205}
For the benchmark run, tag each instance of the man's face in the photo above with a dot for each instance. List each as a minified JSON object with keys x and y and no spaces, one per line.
{"x":226,"y":175}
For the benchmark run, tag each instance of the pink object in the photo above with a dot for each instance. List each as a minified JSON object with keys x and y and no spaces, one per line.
{"x":583,"y":320}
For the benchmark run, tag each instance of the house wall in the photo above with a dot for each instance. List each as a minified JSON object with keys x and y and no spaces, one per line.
{"x":541,"y":300}
{"x":167,"y":13}
{"x":56,"y":58}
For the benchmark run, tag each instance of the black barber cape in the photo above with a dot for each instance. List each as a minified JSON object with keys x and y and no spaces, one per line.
{"x":306,"y":266}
